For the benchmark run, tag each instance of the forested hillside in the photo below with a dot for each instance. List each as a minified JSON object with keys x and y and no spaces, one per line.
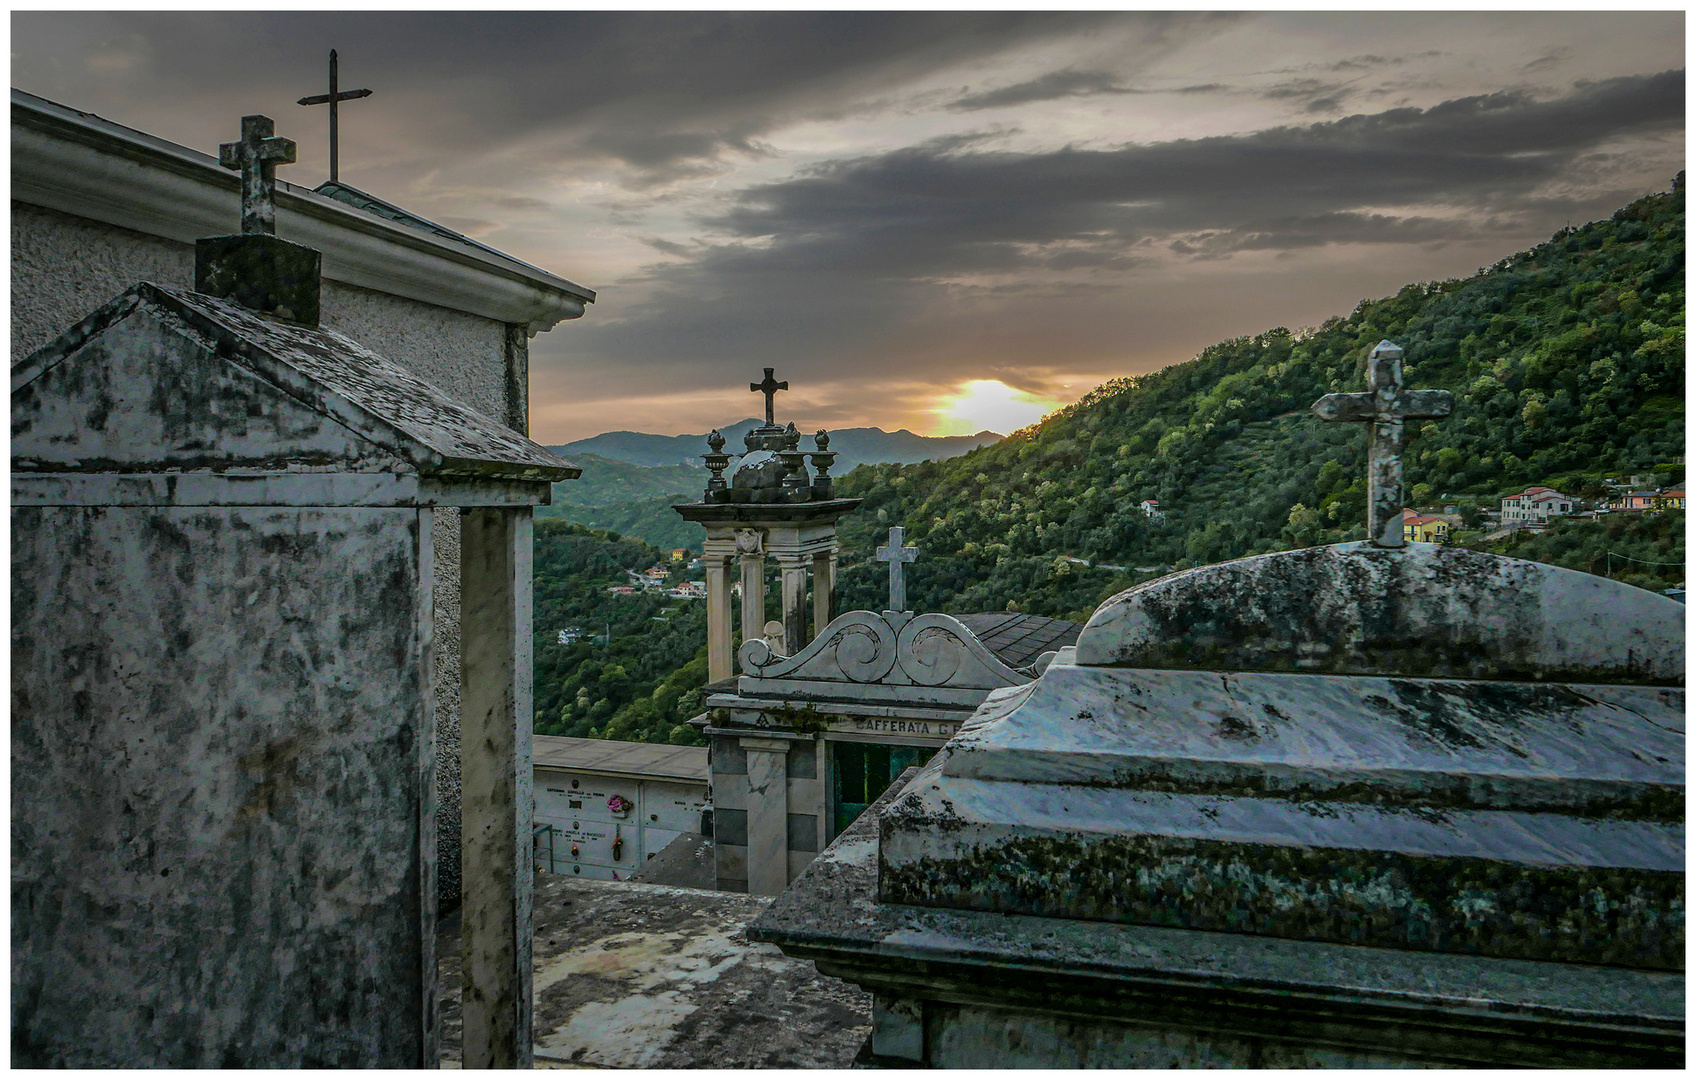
{"x":604,"y":684}
{"x":1566,"y":361}
{"x":632,"y":500}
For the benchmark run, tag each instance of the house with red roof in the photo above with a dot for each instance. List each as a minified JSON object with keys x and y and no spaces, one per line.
{"x":1535,"y":506}
{"x":1424,"y":528}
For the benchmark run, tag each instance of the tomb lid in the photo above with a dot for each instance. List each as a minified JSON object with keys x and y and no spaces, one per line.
{"x":162,"y":380}
{"x":1423,"y":748}
{"x":1422,"y":610}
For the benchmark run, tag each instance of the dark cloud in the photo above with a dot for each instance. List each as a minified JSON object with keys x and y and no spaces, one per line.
{"x":666,"y":93}
{"x":1055,"y":84}
{"x":1064,"y":84}
{"x":1299,"y":88}
{"x":935,"y":210}
{"x":1555,"y":56}
{"x":850,"y":251}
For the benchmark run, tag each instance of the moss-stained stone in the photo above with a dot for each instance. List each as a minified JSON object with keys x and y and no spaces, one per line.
{"x":261,"y":273}
{"x":1027,"y":991}
{"x":1343,"y":806}
{"x":1423,"y":610}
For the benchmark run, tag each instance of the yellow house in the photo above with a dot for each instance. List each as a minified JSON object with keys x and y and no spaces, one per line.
{"x":1425,"y":528}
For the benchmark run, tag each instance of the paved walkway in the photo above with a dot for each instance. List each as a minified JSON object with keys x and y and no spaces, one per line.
{"x":649,"y":976}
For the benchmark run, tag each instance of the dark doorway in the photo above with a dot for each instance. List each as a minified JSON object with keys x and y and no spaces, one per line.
{"x":860,"y":772}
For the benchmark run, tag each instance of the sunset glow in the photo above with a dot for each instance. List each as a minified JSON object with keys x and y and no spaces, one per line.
{"x":993,"y":405}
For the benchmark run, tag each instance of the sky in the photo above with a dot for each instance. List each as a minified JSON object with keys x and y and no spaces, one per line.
{"x":936,"y":221}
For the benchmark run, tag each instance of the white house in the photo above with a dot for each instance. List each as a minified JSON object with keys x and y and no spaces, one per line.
{"x":1151,"y":508}
{"x":1535,"y":506}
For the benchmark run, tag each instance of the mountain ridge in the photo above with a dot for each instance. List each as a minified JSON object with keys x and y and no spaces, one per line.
{"x":853,"y":446}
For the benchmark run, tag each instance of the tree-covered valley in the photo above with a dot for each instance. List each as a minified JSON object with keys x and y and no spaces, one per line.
{"x":1566,"y":362}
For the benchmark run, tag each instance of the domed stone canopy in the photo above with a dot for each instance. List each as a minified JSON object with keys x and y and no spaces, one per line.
{"x":759,"y":471}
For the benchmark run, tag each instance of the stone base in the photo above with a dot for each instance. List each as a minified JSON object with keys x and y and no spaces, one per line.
{"x":981,"y":989}
{"x":261,"y":273}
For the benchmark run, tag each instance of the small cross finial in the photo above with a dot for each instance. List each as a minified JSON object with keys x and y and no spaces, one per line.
{"x":257,"y":155}
{"x":896,"y":556}
{"x":1384,"y":406}
{"x":769,"y":387}
{"x":333,"y":99}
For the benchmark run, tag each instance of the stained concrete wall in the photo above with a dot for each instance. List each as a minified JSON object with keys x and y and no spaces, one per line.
{"x":63,"y":267}
{"x":221,"y":838}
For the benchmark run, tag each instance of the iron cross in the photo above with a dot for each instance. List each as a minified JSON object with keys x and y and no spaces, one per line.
{"x":769,"y":388}
{"x":1384,"y":406}
{"x":896,"y":555}
{"x":257,"y":155}
{"x":332,"y":99}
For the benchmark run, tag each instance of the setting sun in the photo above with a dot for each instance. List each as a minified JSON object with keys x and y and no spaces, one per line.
{"x":993,"y":405}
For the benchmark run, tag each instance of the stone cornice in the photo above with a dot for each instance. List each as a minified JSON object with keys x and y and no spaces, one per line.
{"x":80,"y":164}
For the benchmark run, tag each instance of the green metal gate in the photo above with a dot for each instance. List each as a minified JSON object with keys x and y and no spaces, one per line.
{"x":860,"y":772}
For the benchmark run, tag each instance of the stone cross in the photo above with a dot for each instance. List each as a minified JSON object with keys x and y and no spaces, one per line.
{"x":769,"y":388}
{"x":332,"y":99}
{"x":257,"y":155}
{"x":1384,"y":406}
{"x":895,"y":555}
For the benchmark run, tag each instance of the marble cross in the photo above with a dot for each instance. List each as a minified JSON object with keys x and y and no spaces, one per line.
{"x":1384,"y":406}
{"x":895,"y":555}
{"x":257,"y":155}
{"x":769,"y":388}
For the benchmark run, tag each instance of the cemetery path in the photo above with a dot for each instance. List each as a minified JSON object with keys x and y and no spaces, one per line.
{"x":650,"y":976}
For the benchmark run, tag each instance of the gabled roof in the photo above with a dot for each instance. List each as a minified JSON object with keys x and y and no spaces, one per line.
{"x":1017,"y":639}
{"x":165,"y":379}
{"x":78,"y":163}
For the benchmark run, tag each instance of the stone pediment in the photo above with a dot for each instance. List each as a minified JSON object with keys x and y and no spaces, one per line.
{"x":892,"y":649}
{"x":162,"y":380}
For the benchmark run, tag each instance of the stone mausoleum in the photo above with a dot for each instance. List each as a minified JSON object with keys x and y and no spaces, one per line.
{"x":97,"y":207}
{"x":225,"y":739}
{"x":1378,"y":804}
{"x":819,"y":723}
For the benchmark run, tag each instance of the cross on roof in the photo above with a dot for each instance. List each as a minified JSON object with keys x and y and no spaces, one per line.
{"x":1384,"y":406}
{"x":332,"y":99}
{"x":257,"y":155}
{"x":896,"y":555}
{"x":769,"y":388}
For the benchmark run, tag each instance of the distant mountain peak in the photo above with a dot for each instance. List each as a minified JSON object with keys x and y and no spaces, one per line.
{"x":853,"y":446}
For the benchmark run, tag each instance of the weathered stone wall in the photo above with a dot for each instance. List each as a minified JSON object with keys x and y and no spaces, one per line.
{"x":221,"y":836}
{"x":64,"y":267}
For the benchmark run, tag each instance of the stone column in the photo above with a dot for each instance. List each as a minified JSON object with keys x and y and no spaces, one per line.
{"x":794,"y":569}
{"x":768,"y":815}
{"x":753,"y":584}
{"x":495,"y":779}
{"x":719,"y":654}
{"x":824,"y":590}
